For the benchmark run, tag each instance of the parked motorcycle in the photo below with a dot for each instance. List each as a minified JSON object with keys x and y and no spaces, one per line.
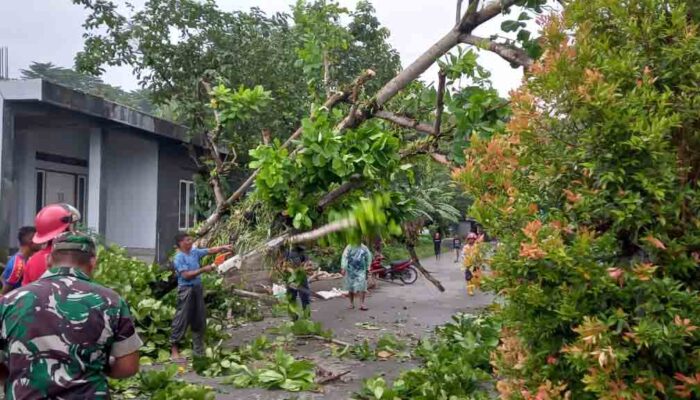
{"x":403,"y":270}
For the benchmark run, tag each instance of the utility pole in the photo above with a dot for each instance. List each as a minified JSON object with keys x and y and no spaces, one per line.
{"x":4,"y":63}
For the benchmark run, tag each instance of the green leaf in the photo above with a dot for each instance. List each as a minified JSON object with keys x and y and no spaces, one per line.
{"x":268,"y":376}
{"x":510,"y":25}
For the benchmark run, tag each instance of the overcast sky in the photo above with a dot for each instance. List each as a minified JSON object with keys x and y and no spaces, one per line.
{"x":51,"y":31}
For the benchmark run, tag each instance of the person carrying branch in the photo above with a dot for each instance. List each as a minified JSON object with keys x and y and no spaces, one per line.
{"x":472,"y":260}
{"x":190,"y":309}
{"x":299,"y":266}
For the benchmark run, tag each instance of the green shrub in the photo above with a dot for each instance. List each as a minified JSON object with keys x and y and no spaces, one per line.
{"x":137,"y":281}
{"x":160,"y":385}
{"x":593,"y":194}
{"x":455,"y":364}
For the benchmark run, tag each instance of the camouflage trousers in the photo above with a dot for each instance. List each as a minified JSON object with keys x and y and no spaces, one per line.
{"x":190,"y":311}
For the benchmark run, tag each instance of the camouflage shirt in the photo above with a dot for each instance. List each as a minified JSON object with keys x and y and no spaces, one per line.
{"x":58,"y":333}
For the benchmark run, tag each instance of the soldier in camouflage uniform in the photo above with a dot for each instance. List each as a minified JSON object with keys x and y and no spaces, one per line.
{"x":63,"y":335}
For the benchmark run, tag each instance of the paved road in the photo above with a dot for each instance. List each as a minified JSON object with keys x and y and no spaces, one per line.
{"x":409,"y":312}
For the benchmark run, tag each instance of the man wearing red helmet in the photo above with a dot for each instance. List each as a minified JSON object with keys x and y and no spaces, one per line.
{"x":50,"y":222}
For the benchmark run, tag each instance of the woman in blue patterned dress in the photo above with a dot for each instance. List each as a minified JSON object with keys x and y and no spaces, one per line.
{"x":354,"y":263}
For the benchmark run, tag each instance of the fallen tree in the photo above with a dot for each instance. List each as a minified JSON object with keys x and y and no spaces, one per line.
{"x":305,"y":184}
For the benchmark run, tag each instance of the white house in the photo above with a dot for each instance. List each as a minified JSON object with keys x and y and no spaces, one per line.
{"x":128,"y":173}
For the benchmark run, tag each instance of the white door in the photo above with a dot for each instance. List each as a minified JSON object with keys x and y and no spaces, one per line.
{"x":60,"y":188}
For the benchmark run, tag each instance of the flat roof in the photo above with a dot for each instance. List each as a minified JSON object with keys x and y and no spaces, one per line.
{"x":71,"y":99}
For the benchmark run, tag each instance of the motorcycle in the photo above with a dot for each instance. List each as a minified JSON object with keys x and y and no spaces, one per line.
{"x":403,"y":270}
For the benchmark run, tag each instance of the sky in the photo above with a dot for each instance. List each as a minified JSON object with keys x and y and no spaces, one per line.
{"x":51,"y":31}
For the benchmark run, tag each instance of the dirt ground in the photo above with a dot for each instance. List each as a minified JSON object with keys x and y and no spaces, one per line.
{"x":408,"y":312}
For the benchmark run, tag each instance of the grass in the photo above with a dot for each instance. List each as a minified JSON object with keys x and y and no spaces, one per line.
{"x":424,"y":249}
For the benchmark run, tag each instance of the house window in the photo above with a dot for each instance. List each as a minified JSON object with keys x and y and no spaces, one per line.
{"x":188,"y":217}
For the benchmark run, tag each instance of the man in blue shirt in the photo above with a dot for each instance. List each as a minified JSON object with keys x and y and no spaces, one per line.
{"x":12,"y":275}
{"x":190,"y":309}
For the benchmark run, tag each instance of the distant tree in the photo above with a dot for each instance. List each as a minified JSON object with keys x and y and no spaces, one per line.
{"x":285,"y":54}
{"x":138,"y":99}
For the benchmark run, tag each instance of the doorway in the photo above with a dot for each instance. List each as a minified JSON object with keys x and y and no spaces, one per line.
{"x":60,"y":187}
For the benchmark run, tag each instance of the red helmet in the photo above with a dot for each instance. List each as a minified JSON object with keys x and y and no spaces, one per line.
{"x":54,"y":219}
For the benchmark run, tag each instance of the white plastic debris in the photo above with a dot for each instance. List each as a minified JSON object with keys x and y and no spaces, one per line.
{"x":233,"y":262}
{"x":329,"y":294}
{"x":278,"y":290}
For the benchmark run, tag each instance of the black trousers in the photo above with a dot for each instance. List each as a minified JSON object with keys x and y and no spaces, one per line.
{"x":190,"y":311}
{"x":304,"y":295}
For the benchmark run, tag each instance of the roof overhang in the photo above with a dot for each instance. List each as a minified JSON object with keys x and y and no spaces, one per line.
{"x":60,"y":96}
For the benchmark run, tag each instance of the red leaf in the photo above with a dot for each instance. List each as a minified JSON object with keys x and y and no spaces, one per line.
{"x":655,"y":242}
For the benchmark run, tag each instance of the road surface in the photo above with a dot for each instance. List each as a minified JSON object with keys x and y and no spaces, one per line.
{"x":409,"y":312}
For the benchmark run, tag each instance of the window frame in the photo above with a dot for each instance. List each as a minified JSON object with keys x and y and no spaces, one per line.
{"x":190,"y":215}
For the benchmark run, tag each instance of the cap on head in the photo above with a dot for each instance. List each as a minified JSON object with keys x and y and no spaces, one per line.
{"x":74,"y":241}
{"x":53,"y":220}
{"x":471,"y":235}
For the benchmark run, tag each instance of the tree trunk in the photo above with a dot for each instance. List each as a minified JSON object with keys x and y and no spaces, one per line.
{"x":416,"y":262}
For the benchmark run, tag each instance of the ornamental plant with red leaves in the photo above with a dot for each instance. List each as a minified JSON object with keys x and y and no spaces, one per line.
{"x":592,"y":190}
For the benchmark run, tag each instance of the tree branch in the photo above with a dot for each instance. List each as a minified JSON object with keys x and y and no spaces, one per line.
{"x":459,"y":12}
{"x":425,"y":272}
{"x":331,"y":102}
{"x":511,"y":54}
{"x":440,"y":102}
{"x":441,"y":158}
{"x":472,"y":19}
{"x":405,"y":122}
{"x":354,"y":182}
{"x":192,"y":152}
{"x":437,"y":50}
{"x":337,"y":98}
{"x":279,"y":241}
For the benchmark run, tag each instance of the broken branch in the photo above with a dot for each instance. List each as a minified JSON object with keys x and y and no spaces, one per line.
{"x":511,"y":54}
{"x":441,"y":158}
{"x":331,"y":102}
{"x":253,"y":295}
{"x":419,"y":267}
{"x":405,"y":122}
{"x":325,"y":339}
{"x":354,"y":182}
{"x":332,"y":378}
{"x":440,"y":48}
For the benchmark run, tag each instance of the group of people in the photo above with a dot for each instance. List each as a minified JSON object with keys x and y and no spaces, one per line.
{"x":354,"y":263}
{"x":61,"y":334}
{"x":470,"y":256}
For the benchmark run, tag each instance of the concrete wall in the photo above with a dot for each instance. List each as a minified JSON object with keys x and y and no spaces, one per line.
{"x":6,"y":177}
{"x":130,"y":177}
{"x":68,"y":142}
{"x":174,"y":164}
